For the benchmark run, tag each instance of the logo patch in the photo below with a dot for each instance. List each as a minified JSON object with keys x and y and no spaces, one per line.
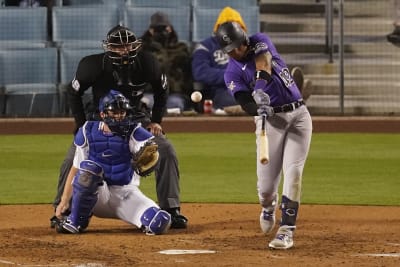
{"x":232,"y":86}
{"x":75,"y":84}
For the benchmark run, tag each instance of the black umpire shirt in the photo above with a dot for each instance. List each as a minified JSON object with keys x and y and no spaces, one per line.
{"x":98,"y":72}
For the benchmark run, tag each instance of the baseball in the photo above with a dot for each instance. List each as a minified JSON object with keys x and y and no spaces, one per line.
{"x":196,"y":96}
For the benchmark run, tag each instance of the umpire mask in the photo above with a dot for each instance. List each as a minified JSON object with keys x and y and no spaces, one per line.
{"x":121,"y":46}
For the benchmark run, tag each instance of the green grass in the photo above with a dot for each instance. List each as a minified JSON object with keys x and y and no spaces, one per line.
{"x":341,"y":168}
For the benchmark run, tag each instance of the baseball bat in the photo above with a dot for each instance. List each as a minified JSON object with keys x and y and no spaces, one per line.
{"x":263,"y":143}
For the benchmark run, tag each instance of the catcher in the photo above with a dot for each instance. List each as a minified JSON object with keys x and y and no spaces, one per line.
{"x":110,"y":157}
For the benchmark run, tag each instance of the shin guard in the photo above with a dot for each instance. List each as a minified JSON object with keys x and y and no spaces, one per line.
{"x":289,"y":210}
{"x":155,"y":221}
{"x":84,"y":196}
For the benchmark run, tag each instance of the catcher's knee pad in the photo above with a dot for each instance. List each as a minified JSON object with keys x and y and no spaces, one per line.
{"x":84,"y":196}
{"x":155,"y":221}
{"x":289,"y":211}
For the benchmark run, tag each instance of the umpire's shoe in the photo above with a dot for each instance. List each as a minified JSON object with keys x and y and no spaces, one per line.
{"x":178,"y":221}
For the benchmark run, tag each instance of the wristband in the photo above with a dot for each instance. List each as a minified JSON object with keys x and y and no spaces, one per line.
{"x":262,"y":74}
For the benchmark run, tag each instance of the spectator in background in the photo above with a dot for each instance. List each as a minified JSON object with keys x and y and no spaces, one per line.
{"x":209,"y":63}
{"x":174,"y":56}
{"x":394,"y":36}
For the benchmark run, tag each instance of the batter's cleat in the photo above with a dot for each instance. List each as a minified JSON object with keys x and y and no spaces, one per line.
{"x":267,"y":220}
{"x":283,"y":238}
{"x":178,"y":221}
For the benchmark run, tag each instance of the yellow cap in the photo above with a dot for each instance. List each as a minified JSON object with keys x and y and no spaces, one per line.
{"x":229,"y":14}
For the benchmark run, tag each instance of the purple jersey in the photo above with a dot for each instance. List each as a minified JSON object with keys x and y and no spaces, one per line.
{"x":239,"y":75}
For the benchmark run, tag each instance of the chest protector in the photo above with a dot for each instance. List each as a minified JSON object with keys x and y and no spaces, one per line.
{"x":111,"y":152}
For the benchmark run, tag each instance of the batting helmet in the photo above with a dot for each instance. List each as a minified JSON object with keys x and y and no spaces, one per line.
{"x":121,"y":45}
{"x":230,"y":36}
{"x":114,"y":101}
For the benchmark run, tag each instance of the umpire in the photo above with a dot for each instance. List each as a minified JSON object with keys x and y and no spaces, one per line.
{"x":125,"y":67}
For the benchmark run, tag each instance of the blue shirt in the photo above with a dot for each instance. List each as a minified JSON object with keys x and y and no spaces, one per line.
{"x":209,"y":63}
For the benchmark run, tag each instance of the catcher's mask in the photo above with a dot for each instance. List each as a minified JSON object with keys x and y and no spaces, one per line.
{"x":115,"y":107}
{"x":121,"y":45}
{"x":230,"y":35}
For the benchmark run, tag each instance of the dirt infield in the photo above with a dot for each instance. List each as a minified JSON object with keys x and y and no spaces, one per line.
{"x":221,"y":234}
{"x":227,"y":234}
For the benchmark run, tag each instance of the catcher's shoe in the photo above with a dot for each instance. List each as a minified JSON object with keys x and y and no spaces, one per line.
{"x":283,"y":238}
{"x":178,"y":221}
{"x":70,"y":227}
{"x":267,"y":220}
{"x":54,"y":221}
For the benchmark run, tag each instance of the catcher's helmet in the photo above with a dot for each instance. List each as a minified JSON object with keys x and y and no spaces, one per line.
{"x":116,"y":102}
{"x":121,"y":45}
{"x":230,"y":36}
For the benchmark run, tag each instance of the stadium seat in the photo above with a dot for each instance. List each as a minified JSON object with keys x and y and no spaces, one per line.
{"x":158,"y":3}
{"x":204,"y":19}
{"x":92,"y":2}
{"x":29,"y":79}
{"x":223,"y":3}
{"x":69,"y":60}
{"x":138,"y":19}
{"x":83,"y":26}
{"x":23,"y":27}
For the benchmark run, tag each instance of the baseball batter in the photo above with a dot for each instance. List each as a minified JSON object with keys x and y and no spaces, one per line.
{"x":256,"y":64}
{"x":110,"y":156}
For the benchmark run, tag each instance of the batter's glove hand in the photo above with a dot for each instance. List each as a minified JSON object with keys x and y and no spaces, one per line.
{"x":265,"y":110}
{"x":145,"y":160}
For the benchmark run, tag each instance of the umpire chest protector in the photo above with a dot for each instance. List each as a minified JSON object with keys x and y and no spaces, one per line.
{"x":110,"y":151}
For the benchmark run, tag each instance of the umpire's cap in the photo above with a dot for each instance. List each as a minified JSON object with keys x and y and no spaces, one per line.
{"x":230,"y":35}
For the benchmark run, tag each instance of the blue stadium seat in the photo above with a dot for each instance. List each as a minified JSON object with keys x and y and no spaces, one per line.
{"x":23,"y":27}
{"x":69,"y":60}
{"x":223,"y":3}
{"x":138,"y":19}
{"x":93,"y":2}
{"x":29,"y":79}
{"x":205,"y":18}
{"x":83,"y":26}
{"x":158,"y":3}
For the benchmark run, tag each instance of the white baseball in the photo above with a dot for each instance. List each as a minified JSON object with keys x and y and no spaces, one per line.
{"x":196,"y":96}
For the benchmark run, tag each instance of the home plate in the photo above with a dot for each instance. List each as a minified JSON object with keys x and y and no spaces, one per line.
{"x":185,"y":251}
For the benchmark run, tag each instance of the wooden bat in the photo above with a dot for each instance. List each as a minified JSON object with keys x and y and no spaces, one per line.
{"x":263,"y":146}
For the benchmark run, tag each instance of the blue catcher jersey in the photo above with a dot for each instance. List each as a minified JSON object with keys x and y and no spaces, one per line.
{"x":109,"y":150}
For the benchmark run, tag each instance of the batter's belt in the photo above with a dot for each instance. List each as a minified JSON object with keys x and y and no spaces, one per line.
{"x":289,"y":107}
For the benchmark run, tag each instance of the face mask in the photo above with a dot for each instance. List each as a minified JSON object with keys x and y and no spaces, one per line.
{"x":161,"y":34}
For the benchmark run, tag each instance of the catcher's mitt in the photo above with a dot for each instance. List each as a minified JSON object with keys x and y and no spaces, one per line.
{"x":144,"y":161}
